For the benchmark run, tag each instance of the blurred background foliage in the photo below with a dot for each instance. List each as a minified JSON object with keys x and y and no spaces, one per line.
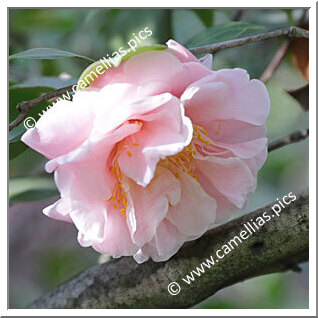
{"x":44,"y":252}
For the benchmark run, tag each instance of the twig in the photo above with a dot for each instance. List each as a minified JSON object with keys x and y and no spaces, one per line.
{"x":289,"y":139}
{"x":280,"y":54}
{"x":279,"y":245}
{"x":275,"y":62}
{"x":25,"y":107}
{"x":291,"y":32}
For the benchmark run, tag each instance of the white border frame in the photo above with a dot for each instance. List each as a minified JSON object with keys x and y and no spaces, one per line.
{"x":312,"y":166}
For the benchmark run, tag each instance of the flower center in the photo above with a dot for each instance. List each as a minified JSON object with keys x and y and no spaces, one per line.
{"x":182,"y":161}
{"x":119,"y":197}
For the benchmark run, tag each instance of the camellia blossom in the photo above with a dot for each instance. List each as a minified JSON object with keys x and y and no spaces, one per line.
{"x":154,"y":152}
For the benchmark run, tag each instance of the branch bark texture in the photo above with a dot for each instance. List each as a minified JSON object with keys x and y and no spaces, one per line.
{"x":279,"y":245}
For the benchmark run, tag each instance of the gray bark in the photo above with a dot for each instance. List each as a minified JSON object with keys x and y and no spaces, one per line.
{"x":279,"y":245}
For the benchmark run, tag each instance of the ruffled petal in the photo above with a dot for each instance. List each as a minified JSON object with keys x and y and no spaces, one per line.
{"x":196,"y":210}
{"x":164,"y":66}
{"x":247,"y":149}
{"x":206,"y":61}
{"x":165,"y":132}
{"x":59,"y":210}
{"x":164,"y":245}
{"x":56,"y":132}
{"x":89,"y":218}
{"x":181,"y":52}
{"x":227,"y":94}
{"x":116,"y":239}
{"x":147,"y":207}
{"x":230,"y":176}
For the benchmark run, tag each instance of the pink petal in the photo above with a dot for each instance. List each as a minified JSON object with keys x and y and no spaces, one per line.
{"x":116,"y":240}
{"x":168,"y":241}
{"x":234,"y":131}
{"x":83,"y":173}
{"x":56,"y":132}
{"x":95,"y":148}
{"x":84,"y":181}
{"x":256,"y":163}
{"x":224,"y":207}
{"x":180,"y":52}
{"x":164,"y":245}
{"x":149,"y":206}
{"x":247,"y":149}
{"x":230,"y":176}
{"x":227,"y":94}
{"x":59,"y":210}
{"x":89,"y":218}
{"x":121,"y":102}
{"x":206,"y":60}
{"x":156,"y":66}
{"x":165,"y":132}
{"x":196,"y":210}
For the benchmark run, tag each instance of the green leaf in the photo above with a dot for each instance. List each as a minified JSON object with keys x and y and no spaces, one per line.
{"x":185,"y":25}
{"x":223,"y":32}
{"x":16,"y":133}
{"x":45,"y":83}
{"x":31,"y":89}
{"x":31,"y":189}
{"x":90,"y":73}
{"x":205,"y":15}
{"x":16,"y":146}
{"x":12,"y":83}
{"x":47,"y":54}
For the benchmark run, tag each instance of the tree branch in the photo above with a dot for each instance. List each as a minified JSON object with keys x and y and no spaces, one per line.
{"x":275,"y":62}
{"x":280,"y":54}
{"x":291,"y":32}
{"x":24,"y":107}
{"x":289,"y":139}
{"x":277,"y":246}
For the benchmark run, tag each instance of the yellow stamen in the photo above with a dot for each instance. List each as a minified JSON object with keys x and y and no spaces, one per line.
{"x":134,"y":141}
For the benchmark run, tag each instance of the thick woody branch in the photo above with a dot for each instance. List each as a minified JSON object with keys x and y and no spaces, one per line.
{"x":279,"y":245}
{"x":291,"y":32}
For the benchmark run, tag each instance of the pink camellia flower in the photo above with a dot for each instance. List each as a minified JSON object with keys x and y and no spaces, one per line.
{"x":154,"y":152}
